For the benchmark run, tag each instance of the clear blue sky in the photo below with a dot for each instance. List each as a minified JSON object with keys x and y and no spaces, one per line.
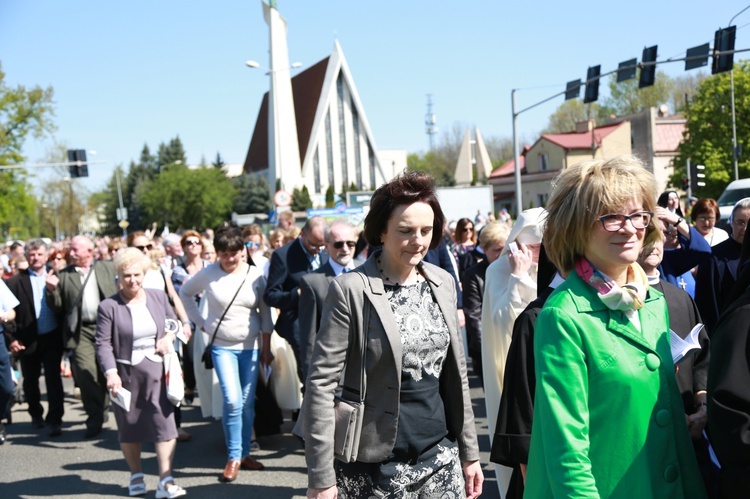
{"x":129,"y":73}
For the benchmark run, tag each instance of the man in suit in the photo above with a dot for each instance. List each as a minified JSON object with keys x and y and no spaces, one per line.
{"x":37,"y":339}
{"x":340,"y":241}
{"x":288,"y":265}
{"x":78,"y":290}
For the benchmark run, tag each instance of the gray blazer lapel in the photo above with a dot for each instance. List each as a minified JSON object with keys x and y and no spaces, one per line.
{"x":444,"y":298}
{"x":375,"y":294}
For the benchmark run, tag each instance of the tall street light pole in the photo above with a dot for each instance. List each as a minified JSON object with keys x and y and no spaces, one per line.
{"x":734,"y":119}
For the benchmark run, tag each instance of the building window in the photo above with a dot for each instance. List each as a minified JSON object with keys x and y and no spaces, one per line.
{"x":342,"y":132}
{"x":357,"y":148}
{"x":543,"y":162}
{"x":316,"y":170}
{"x":542,"y":200}
{"x":329,"y":150}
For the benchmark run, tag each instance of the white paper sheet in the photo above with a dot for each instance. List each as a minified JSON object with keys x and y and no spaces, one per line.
{"x":680,"y":347}
{"x":122,"y":398}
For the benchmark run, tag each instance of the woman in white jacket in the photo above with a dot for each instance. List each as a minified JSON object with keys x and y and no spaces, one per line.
{"x":510,"y":285}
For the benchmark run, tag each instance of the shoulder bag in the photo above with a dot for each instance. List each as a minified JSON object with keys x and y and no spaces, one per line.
{"x":206,"y":358}
{"x":349,"y":414}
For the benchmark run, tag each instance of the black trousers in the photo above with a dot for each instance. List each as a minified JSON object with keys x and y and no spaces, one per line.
{"x":45,"y":355}
{"x":6,"y":378}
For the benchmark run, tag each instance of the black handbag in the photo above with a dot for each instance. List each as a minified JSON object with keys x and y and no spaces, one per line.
{"x":206,"y":358}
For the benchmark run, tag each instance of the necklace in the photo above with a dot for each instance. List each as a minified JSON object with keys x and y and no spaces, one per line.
{"x":390,"y":281}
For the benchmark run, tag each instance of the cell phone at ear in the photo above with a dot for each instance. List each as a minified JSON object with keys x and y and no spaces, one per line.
{"x":513,"y":247}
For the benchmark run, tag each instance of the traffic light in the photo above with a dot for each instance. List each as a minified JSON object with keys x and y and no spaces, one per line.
{"x":573,"y":89}
{"x":78,"y":170}
{"x":648,"y":67}
{"x":724,"y":42}
{"x":592,"y":84}
{"x":697,"y":177}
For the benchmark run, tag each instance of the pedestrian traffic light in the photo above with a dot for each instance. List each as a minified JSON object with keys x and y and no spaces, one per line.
{"x":697,"y":177}
{"x":592,"y":84}
{"x":724,"y":42}
{"x":81,"y":168}
{"x":626,"y":70}
{"x":648,"y":67}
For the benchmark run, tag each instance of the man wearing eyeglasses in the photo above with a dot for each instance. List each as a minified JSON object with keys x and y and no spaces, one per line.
{"x":717,"y":277}
{"x":289,"y":264}
{"x":340,"y":241}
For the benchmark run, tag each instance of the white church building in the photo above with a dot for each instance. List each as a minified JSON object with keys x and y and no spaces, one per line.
{"x":312,"y":130}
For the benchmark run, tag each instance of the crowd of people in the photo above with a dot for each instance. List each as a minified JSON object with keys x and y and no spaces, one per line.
{"x":634,"y":383}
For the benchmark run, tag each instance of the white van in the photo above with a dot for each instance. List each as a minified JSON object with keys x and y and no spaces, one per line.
{"x":739,"y":189}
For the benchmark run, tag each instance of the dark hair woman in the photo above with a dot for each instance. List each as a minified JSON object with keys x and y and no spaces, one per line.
{"x":418,"y":420}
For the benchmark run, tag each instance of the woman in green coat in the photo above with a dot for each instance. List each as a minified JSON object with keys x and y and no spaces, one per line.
{"x":608,"y":418}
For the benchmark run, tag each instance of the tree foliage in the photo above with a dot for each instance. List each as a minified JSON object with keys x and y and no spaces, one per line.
{"x":330,"y":196}
{"x":183,"y":198}
{"x":169,"y":154}
{"x":24,"y":113}
{"x":301,"y":199}
{"x":708,"y":137}
{"x":570,"y":112}
{"x":252,"y":194}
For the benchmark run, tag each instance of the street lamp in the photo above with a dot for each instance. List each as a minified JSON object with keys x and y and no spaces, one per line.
{"x":734,"y":119}
{"x":255,"y":65}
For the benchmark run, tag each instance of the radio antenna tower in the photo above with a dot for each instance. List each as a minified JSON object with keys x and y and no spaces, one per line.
{"x":430,"y":122}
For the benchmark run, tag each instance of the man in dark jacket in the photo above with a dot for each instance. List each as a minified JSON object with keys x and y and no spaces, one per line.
{"x":37,"y":339}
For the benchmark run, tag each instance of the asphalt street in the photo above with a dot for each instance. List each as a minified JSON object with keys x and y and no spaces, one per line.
{"x":34,"y":465}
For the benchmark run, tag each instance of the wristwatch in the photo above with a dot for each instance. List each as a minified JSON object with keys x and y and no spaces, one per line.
{"x":679,"y":221}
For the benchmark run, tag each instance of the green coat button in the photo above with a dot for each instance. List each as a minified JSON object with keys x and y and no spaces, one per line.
{"x":671,"y":473}
{"x":663,"y":417}
{"x":652,"y":361}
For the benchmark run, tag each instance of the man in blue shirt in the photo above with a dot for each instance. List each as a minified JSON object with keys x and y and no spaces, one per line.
{"x":37,"y":339}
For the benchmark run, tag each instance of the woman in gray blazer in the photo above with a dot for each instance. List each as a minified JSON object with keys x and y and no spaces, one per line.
{"x":131,"y":339}
{"x":418,"y":427}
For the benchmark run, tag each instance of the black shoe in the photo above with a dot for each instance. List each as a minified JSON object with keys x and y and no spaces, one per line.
{"x":3,"y":434}
{"x":37,"y":423}
{"x":93,"y":431}
{"x":55,"y":430}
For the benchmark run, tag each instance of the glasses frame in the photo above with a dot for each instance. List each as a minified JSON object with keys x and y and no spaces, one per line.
{"x":190,"y":242}
{"x":147,"y":247}
{"x":603,"y":218}
{"x":340,"y":244}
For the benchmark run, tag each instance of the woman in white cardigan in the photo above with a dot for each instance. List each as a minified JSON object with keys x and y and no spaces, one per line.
{"x":509,"y":286}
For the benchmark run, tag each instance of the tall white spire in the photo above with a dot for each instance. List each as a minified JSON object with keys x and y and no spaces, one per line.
{"x":283,"y":144}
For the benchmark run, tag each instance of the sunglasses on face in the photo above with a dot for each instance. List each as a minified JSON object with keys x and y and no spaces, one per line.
{"x":340,"y":244}
{"x":147,"y":247}
{"x":192,"y":242}
{"x":251,"y":244}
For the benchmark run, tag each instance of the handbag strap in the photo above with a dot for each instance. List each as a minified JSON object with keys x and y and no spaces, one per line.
{"x":363,"y":347}
{"x":79,"y":298}
{"x":210,"y":343}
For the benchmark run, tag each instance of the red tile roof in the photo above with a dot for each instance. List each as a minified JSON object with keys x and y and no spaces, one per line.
{"x":509,"y":167}
{"x":667,"y":136}
{"x":575,"y":140}
{"x":306,"y":89}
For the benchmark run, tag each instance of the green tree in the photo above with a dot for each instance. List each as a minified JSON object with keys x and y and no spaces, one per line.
{"x":436,"y":165}
{"x":184,"y":198}
{"x":24,"y":113}
{"x":301,"y":199}
{"x":708,"y":136}
{"x":252,"y":194}
{"x":219,"y":163}
{"x":169,"y":154}
{"x":330,"y":197}
{"x":107,"y":202}
{"x":626,"y":98}
{"x":569,"y":113}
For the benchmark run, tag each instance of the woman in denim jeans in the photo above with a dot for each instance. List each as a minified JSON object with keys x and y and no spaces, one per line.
{"x":241,"y":340}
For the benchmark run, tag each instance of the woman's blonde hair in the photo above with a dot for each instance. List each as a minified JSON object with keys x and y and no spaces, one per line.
{"x":584,"y":192}
{"x":494,"y":233}
{"x":128,"y":257}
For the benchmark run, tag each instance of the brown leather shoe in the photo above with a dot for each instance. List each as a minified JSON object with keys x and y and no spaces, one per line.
{"x":230,"y":471}
{"x":248,"y":463}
